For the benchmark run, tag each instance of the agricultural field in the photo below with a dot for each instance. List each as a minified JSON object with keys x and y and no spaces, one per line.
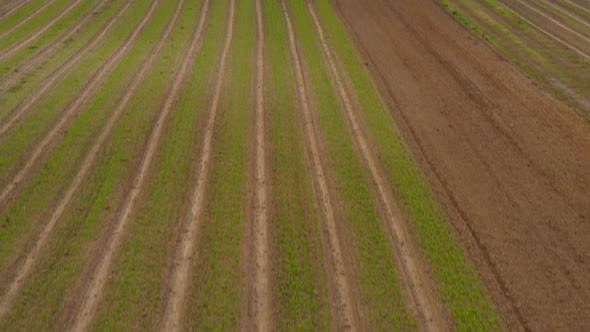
{"x":294,"y":165}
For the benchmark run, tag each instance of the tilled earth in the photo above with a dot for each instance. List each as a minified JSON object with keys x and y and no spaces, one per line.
{"x":509,"y":161}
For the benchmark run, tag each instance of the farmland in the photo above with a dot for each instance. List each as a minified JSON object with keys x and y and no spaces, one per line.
{"x":291,"y":165}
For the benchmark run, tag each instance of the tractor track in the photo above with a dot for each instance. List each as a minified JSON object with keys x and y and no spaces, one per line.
{"x":261,"y":285}
{"x":95,"y":288}
{"x":24,"y":270}
{"x":345,"y":303}
{"x":52,"y":79}
{"x":25,"y":67}
{"x":27,"y":18}
{"x":180,"y":278}
{"x":78,"y":103}
{"x":23,"y":42}
{"x":414,"y":275}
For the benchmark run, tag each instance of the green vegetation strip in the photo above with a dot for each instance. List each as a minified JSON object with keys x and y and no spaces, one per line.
{"x":459,"y":287}
{"x":300,"y":285}
{"x":87,"y":215}
{"x":16,"y":91}
{"x":19,"y":14}
{"x":141,"y":269}
{"x":49,"y":38}
{"x":215,"y":295}
{"x":43,"y":17}
{"x":23,"y":137}
{"x":382,"y":296}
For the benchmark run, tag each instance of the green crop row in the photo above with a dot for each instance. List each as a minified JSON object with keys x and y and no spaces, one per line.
{"x":86,"y":217}
{"x":300,"y":286}
{"x":29,"y":80}
{"x":42,"y":18}
{"x":17,"y":143}
{"x":50,"y":37}
{"x":18,"y":15}
{"x":459,"y":287}
{"x":380,"y":290}
{"x":140,"y":271}
{"x":219,"y":278}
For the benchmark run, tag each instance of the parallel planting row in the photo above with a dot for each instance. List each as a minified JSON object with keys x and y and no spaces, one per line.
{"x":549,"y":40}
{"x":212,"y":165}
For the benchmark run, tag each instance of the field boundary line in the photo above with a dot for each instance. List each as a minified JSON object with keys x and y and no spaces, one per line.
{"x":49,"y":49}
{"x":26,"y":19}
{"x":180,"y":279}
{"x":261,"y":306}
{"x":559,"y":40}
{"x":24,"y":270}
{"x":48,"y":82}
{"x":346,"y":305}
{"x":418,"y":287}
{"x":10,"y":11}
{"x":23,"y":42}
{"x":80,"y":101}
{"x":96,"y":287}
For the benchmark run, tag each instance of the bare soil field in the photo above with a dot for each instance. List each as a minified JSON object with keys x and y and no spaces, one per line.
{"x":511,"y":162}
{"x":293,"y":165}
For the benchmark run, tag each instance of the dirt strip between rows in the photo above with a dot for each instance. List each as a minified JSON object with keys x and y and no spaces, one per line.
{"x":414,"y":275}
{"x":95,"y":289}
{"x":23,"y":42}
{"x":27,"y":18}
{"x":180,"y":280}
{"x":11,"y":78}
{"x":52,"y":79}
{"x":78,"y":104}
{"x":570,"y":44}
{"x":13,"y":9}
{"x":346,"y":305}
{"x":24,"y":270}
{"x":262,"y":292}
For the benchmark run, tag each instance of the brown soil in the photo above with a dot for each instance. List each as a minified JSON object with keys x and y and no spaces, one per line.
{"x":510,"y":163}
{"x":412,"y":271}
{"x":26,"y":18}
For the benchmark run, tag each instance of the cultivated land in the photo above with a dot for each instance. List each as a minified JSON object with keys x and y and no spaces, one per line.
{"x":294,"y":165}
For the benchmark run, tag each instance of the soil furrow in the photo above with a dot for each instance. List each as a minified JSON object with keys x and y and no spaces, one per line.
{"x":96,"y":286}
{"x":262,"y":289}
{"x":78,"y":103}
{"x":49,"y":82}
{"x":24,"y":270}
{"x":22,"y":43}
{"x":23,"y":69}
{"x":550,"y":34}
{"x":27,"y":18}
{"x":345,"y":303}
{"x":16,"y":7}
{"x":417,"y":282}
{"x":180,"y":279}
